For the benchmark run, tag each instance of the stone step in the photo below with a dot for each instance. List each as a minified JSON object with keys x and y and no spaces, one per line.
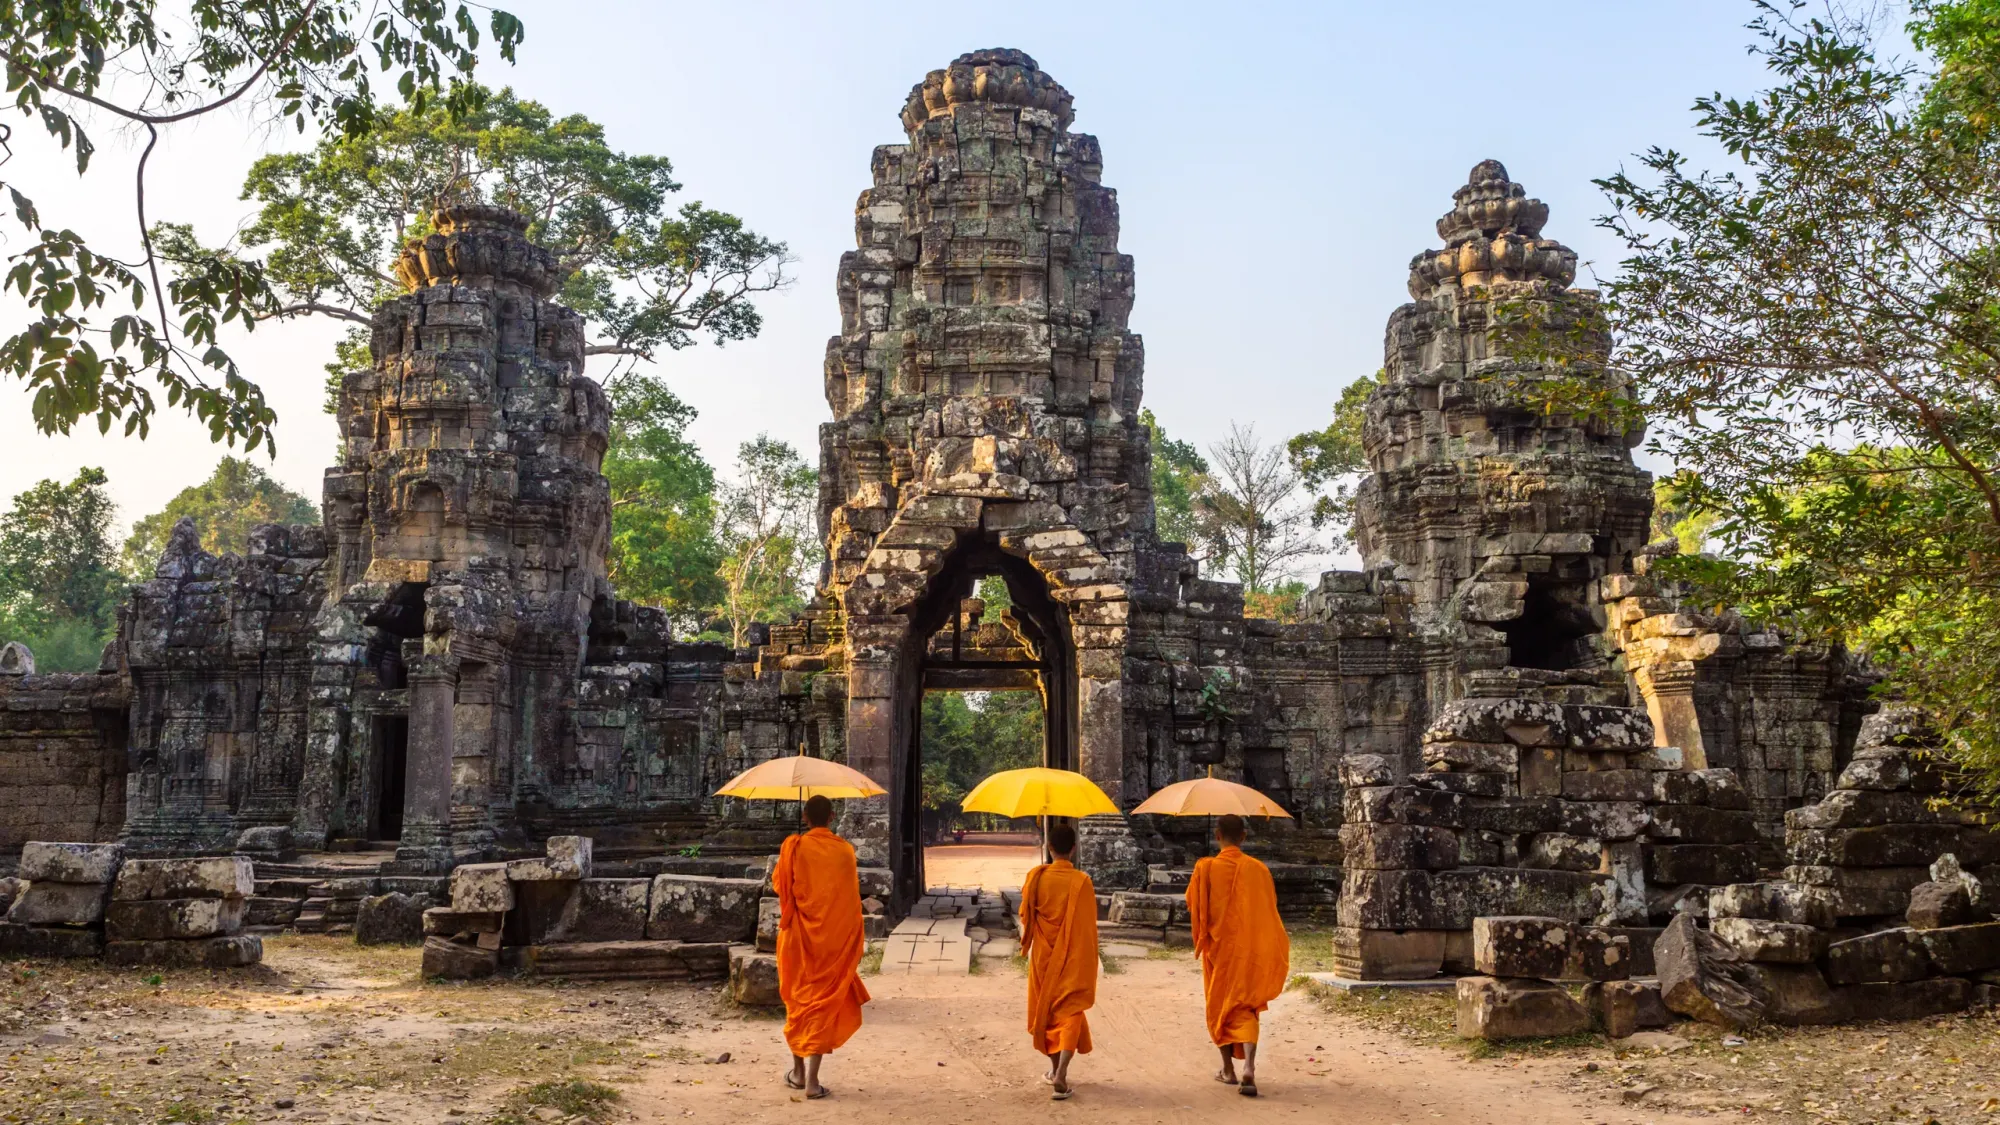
{"x":625,"y":960}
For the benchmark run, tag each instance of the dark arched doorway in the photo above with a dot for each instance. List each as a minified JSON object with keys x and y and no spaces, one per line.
{"x":934,"y":657}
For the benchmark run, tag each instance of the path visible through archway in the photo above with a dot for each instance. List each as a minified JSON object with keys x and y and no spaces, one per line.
{"x":992,"y":861}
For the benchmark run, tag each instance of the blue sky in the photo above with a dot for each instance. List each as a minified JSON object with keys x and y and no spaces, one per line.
{"x":1277,"y":164}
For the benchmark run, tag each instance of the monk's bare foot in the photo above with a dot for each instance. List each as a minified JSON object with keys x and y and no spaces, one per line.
{"x":1226,"y":1076}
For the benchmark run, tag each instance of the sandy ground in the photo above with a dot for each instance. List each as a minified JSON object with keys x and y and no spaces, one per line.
{"x":327,"y":1033}
{"x":993,"y":866}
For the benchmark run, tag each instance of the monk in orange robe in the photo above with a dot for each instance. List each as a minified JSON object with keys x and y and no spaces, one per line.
{"x":820,"y":942}
{"x":1245,"y":953}
{"x":1059,"y":939}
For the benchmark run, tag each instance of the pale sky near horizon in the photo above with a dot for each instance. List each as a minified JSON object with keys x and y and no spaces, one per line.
{"x":1277,"y":165}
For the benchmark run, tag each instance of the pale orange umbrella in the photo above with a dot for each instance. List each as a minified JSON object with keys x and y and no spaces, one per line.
{"x":1210,"y":796}
{"x":797,"y":778}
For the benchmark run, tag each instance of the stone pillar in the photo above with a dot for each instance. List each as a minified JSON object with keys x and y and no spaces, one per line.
{"x":871,"y":734}
{"x":1668,"y":689}
{"x":426,"y":844}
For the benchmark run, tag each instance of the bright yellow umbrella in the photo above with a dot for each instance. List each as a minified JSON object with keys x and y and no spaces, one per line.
{"x":1038,"y":792}
{"x":797,"y":778}
{"x":1210,"y":796}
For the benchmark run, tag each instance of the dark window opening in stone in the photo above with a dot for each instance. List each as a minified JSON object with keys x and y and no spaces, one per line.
{"x":1554,"y":630}
{"x":392,"y":759}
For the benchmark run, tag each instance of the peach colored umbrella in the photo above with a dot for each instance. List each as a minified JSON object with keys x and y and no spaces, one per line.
{"x":1210,"y":796}
{"x":797,"y":778}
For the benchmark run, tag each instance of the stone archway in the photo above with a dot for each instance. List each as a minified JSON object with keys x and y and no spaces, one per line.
{"x":1051,"y":666}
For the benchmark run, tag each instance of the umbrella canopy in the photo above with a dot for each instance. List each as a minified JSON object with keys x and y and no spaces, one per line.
{"x":1038,"y":792}
{"x":797,"y":778}
{"x":1208,"y":796}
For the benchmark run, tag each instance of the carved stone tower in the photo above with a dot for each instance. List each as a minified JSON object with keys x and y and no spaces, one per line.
{"x":985,"y":395}
{"x":468,"y":524}
{"x":1501,"y":518}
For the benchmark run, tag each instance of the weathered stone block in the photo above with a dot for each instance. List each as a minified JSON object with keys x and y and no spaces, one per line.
{"x":443,"y":921}
{"x":266,"y":910}
{"x":1799,"y":996}
{"x":1716,"y":788}
{"x":173,"y":919}
{"x":273,"y":841}
{"x":1359,"y":771}
{"x":1607,"y":785}
{"x":391,"y":919}
{"x":1907,"y":1000}
{"x":1597,"y":954}
{"x":229,"y":876}
{"x":232,"y":952}
{"x":753,"y":978}
{"x":1698,"y":824}
{"x":544,"y":911}
{"x":1621,"y":1007}
{"x":1674,"y":864}
{"x":1460,"y":895}
{"x":1862,"y":892}
{"x":1934,"y":905}
{"x":1956,"y":950}
{"x":769,"y":911}
{"x":1888,"y":845}
{"x":1360,"y":954}
{"x":1884,"y":956}
{"x":1861,"y":808}
{"x":1391,"y":846}
{"x":58,"y":904}
{"x":1560,"y":851}
{"x":1491,"y":1008}
{"x":69,"y":863}
{"x":1758,"y":939}
{"x":445,"y":959}
{"x":570,"y":853}
{"x":1404,"y":804}
{"x":1521,"y":946}
{"x":1702,"y":978}
{"x":1134,"y":908}
{"x":611,"y":910}
{"x":481,"y":888}
{"x":695,"y":908}
{"x":1776,"y":902}
{"x":1875,"y":773}
{"x":17,"y":940}
{"x":1603,"y":820}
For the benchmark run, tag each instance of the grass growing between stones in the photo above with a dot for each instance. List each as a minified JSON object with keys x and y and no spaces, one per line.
{"x":871,"y":961}
{"x":574,"y":1099}
{"x":1113,"y":967}
{"x":1312,"y":950}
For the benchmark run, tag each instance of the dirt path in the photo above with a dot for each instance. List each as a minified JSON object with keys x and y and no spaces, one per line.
{"x":940,"y":1050}
{"x":992,"y":866}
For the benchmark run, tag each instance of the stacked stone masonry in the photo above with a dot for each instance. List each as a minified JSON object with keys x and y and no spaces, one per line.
{"x":1504,"y":712}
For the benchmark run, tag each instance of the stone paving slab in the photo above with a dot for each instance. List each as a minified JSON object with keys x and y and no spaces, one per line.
{"x":936,"y":946}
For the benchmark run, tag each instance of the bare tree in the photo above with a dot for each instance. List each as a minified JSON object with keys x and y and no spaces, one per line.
{"x":1250,"y":510}
{"x":767,"y":535}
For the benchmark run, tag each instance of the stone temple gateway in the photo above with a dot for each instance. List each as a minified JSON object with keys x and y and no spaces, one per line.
{"x":1501,"y":713}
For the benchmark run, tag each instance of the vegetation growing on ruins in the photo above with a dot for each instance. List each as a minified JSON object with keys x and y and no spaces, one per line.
{"x":1249,"y":512}
{"x":104,"y":333}
{"x":238,"y":496}
{"x":1329,"y":461}
{"x":1814,"y":339}
{"x":771,"y":548}
{"x":664,"y":547}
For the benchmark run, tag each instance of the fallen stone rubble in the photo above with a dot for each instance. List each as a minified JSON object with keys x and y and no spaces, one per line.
{"x":88,"y":900}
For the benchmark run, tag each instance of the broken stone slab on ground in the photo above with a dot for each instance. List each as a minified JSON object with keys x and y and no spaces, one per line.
{"x":445,"y":959}
{"x":232,"y":952}
{"x":625,"y":960}
{"x":1756,"y":939}
{"x":610,"y":910}
{"x":1885,"y":956}
{"x":753,"y":978}
{"x":18,"y":940}
{"x":1907,"y":1000}
{"x":1505,"y":1008}
{"x":1623,"y":1007}
{"x":1365,"y":954}
{"x":1703,"y":978}
{"x":391,"y":919}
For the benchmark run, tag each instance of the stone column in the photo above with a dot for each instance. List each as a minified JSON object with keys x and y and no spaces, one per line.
{"x":426,"y":844}
{"x":871,"y":736}
{"x":1668,"y":689}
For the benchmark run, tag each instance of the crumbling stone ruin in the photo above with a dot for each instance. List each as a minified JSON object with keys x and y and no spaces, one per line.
{"x":1504,"y":714}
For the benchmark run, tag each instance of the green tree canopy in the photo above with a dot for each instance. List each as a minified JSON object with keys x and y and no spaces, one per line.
{"x":1328,"y":461}
{"x":645,"y":275}
{"x":1814,"y":335}
{"x":967,"y":736}
{"x":103,"y":331}
{"x":1179,"y":472}
{"x":236,"y":497}
{"x":769,"y":543}
{"x":59,"y":587}
{"x":664,"y":550}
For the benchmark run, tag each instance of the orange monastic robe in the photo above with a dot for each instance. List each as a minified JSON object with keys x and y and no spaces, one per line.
{"x":1245,"y":953}
{"x":1059,"y":938}
{"x":820,"y":941}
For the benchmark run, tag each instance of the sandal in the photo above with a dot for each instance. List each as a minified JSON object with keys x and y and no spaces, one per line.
{"x":1247,"y":1089}
{"x":823,"y":1091}
{"x":1061,"y":1093}
{"x":793,"y":1082}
